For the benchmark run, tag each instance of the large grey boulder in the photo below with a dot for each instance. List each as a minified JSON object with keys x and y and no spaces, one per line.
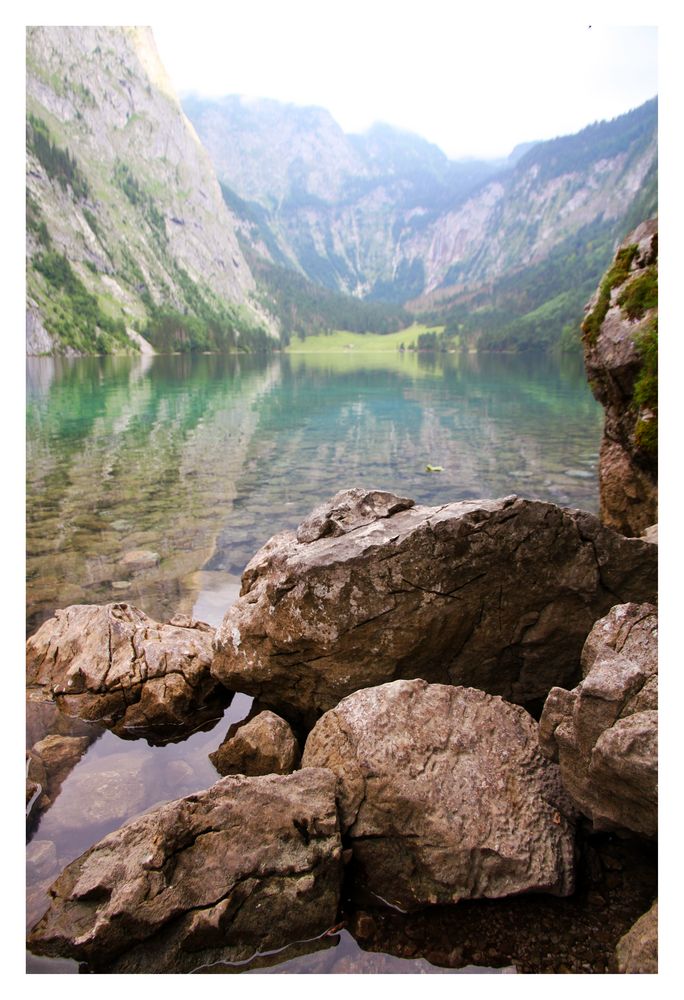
{"x":444,"y":795}
{"x":604,"y":733}
{"x":264,"y":744}
{"x":113,"y":663}
{"x":248,"y":865}
{"x":637,"y":950}
{"x":495,"y":594}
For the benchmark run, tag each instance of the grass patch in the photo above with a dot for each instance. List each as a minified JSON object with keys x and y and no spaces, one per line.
{"x":640,"y":294}
{"x":343,"y":341}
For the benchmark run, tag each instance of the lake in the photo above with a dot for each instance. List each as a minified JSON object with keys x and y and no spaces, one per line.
{"x":197,"y":461}
{"x":201,"y":459}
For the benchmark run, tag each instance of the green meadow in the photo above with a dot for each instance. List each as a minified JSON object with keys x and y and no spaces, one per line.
{"x":340,"y":341}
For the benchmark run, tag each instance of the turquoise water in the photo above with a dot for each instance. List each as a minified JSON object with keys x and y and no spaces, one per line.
{"x":200,"y":460}
{"x":197,"y":462}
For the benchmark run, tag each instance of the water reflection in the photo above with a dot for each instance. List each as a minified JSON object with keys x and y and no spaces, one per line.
{"x":197,"y":461}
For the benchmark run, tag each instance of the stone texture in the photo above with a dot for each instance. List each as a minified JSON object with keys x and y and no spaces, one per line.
{"x":265,"y":744}
{"x":113,"y":663}
{"x":628,"y":477}
{"x":604,"y":733}
{"x":495,"y":594}
{"x":444,"y":795}
{"x":248,"y":865}
{"x":350,"y":509}
{"x":637,"y":951}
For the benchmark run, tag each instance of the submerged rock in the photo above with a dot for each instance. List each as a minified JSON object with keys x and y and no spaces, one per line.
{"x":113,"y":663}
{"x":444,"y":795}
{"x":496,"y":594}
{"x":264,"y":744}
{"x":249,"y":865}
{"x":604,"y":733}
{"x":637,"y":951}
{"x":48,"y":763}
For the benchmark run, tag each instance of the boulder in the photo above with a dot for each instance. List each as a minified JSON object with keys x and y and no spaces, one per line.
{"x":444,"y":795}
{"x":113,"y":663}
{"x":618,"y":326}
{"x":637,"y":951}
{"x":604,"y":733}
{"x":264,"y":744}
{"x":495,"y":594}
{"x":248,"y":865}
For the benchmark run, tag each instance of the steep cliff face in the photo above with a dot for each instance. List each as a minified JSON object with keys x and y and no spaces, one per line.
{"x":336,"y":204}
{"x":125,"y":215}
{"x":620,"y":335}
{"x":387,"y":215}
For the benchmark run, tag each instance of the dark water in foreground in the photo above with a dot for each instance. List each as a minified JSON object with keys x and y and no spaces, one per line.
{"x":198,"y":461}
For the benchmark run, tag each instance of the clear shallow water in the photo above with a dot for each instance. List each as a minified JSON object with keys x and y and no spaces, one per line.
{"x":200,"y":460}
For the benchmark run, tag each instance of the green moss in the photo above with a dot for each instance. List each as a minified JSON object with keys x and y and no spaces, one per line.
{"x":640,"y":294}
{"x":646,"y":392}
{"x":617,"y":275}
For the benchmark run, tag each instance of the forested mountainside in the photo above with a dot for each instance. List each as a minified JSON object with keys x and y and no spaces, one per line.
{"x":505,"y":252}
{"x":127,"y":231}
{"x":132,"y":242}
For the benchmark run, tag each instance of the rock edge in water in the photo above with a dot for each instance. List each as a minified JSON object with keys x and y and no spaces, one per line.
{"x":112,"y":663}
{"x":250,"y":864}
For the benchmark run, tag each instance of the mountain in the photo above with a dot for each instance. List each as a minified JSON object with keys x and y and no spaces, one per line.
{"x":129,"y":240}
{"x":335,"y":205}
{"x":386,"y":215}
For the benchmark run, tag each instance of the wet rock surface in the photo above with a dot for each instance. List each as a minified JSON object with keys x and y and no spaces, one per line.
{"x":637,"y":951}
{"x":263,"y":745}
{"x":496,"y":594}
{"x":604,"y":733}
{"x":113,"y":663}
{"x":444,"y":795}
{"x":248,"y":865}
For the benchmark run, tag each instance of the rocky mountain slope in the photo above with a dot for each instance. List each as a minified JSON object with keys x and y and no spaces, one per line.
{"x":386,"y":215}
{"x":127,"y":231}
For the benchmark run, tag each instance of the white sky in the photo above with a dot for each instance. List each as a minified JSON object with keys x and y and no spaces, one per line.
{"x":474,"y":84}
